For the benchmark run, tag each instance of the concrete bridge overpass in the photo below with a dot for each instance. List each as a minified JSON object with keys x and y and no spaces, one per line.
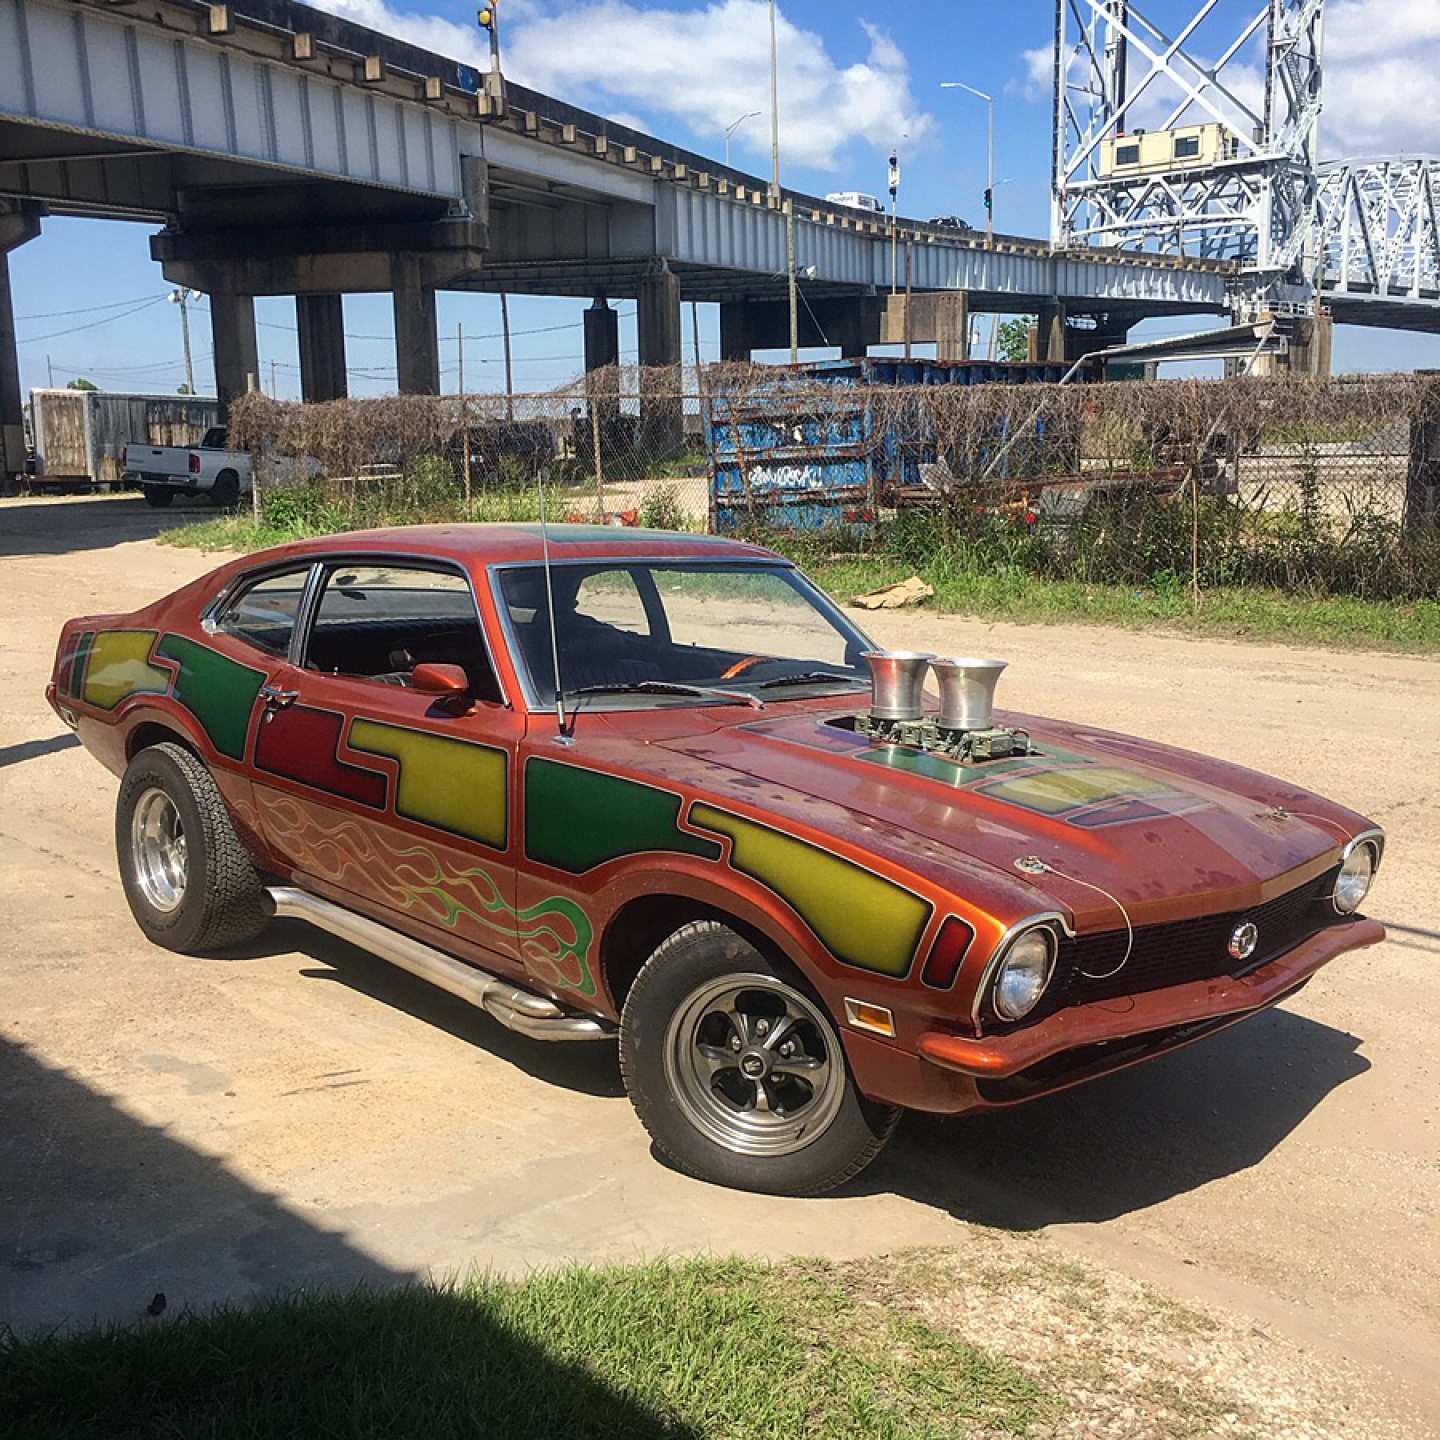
{"x":286,"y":151}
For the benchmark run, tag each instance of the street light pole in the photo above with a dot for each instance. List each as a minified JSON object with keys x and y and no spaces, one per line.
{"x":989,"y":153}
{"x":775,"y":197}
{"x":732,"y":127}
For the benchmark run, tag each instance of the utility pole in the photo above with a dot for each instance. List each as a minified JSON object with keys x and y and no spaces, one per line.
{"x":182,"y":297}
{"x":509,"y":373}
{"x":464,"y":417}
{"x":775,"y":199}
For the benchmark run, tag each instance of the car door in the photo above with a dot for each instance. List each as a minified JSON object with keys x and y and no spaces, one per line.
{"x":381,"y":795}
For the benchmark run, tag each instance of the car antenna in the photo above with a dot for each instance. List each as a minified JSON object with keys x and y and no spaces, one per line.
{"x":563,"y":737}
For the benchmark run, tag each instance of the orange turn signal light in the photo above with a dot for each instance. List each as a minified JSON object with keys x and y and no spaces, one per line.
{"x":864,"y":1016}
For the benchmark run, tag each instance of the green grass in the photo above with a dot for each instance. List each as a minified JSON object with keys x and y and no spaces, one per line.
{"x":704,"y":1348}
{"x":1336,"y":622}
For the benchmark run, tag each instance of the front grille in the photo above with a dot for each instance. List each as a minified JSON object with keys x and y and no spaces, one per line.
{"x":1185,"y":950}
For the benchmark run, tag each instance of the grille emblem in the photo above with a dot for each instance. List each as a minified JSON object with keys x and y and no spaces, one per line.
{"x":1243,"y":940}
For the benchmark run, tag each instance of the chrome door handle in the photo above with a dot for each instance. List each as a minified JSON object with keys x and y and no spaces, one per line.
{"x":277,"y":699}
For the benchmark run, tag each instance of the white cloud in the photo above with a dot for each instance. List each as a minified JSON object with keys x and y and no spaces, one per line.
{"x":702,"y":67}
{"x":1380,"y":94}
{"x":706,"y":66}
{"x":430,"y":32}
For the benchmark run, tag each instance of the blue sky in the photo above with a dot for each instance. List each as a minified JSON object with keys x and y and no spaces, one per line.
{"x":854,"y":82}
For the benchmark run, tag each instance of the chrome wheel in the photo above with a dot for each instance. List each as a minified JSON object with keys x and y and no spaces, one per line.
{"x":754,"y":1065}
{"x":158,"y":850}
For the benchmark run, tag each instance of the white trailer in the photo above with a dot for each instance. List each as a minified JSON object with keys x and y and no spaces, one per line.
{"x":80,"y":435}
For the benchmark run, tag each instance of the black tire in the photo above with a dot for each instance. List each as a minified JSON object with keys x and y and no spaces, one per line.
{"x":226,"y":490}
{"x":157,"y":495}
{"x":692,"y":963}
{"x":222,"y":900}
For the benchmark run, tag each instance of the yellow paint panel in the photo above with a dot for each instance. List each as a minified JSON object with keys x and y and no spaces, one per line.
{"x":120,"y":665}
{"x":1057,"y":791}
{"x":863,"y":919}
{"x":449,"y":783}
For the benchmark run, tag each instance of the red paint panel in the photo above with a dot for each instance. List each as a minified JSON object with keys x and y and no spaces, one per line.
{"x":300,"y":743}
{"x":942,"y":964}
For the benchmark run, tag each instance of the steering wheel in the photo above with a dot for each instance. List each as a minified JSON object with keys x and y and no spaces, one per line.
{"x":741,"y":666}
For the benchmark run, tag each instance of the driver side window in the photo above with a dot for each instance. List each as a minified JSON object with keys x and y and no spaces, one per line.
{"x":377,"y":621}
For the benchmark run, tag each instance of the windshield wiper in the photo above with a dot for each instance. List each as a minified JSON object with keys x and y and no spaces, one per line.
{"x":809,"y":677}
{"x":669,"y":687}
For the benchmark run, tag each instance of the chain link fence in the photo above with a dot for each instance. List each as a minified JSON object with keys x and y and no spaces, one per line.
{"x":1323,"y":486}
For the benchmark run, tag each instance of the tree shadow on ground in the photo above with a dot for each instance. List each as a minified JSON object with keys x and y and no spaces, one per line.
{"x":102,"y":1214}
{"x":1129,"y":1140}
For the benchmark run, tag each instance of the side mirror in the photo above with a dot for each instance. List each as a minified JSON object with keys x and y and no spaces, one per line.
{"x":450,"y":681}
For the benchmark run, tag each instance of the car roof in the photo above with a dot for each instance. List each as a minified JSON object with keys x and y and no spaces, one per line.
{"x":485,"y":544}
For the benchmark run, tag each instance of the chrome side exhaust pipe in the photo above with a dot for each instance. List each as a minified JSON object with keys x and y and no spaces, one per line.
{"x":897,"y":683}
{"x":967,"y":692}
{"x":513,"y":1006}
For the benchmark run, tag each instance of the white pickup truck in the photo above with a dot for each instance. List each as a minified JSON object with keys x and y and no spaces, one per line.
{"x":165,"y":471}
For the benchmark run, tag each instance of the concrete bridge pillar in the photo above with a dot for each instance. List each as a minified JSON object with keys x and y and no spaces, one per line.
{"x":659,"y":318}
{"x":602,"y":335}
{"x":662,"y":414}
{"x":735,"y":332}
{"x":1047,"y":338}
{"x":12,"y":408}
{"x":321,"y":320}
{"x":952,"y":327}
{"x":417,"y":342}
{"x":17,"y":225}
{"x":237,"y":354}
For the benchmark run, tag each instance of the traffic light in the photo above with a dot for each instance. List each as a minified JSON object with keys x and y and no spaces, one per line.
{"x":989,"y":200}
{"x":485,"y":17}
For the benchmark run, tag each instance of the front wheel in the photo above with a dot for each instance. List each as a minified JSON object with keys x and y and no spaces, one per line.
{"x":738,"y":1073}
{"x":190,"y":883}
{"x":157,"y":495}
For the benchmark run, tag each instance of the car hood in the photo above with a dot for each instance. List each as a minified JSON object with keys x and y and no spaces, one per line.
{"x":1167,"y":832}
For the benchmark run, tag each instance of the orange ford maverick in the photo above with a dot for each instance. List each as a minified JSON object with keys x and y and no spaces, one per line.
{"x":663,"y":789}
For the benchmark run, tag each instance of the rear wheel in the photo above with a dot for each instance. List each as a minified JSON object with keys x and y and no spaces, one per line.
{"x":226,"y":490}
{"x":738,"y":1073}
{"x":190,"y":883}
{"x":157,"y":495}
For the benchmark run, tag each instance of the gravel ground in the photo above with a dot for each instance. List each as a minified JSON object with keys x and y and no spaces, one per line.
{"x":301,"y":1114}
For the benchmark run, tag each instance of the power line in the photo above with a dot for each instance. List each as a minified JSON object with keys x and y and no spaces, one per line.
{"x":88,"y":309}
{"x":93,"y":325}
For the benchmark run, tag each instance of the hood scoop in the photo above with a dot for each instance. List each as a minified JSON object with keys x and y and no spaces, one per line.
{"x":964,"y":728}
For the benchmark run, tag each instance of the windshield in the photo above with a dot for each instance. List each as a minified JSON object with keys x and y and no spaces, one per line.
{"x":627,"y":628}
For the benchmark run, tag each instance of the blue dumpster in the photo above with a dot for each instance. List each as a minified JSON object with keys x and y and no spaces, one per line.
{"x":807,"y":447}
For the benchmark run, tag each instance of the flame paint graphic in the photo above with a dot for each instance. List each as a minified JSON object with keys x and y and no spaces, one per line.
{"x":358,"y":858}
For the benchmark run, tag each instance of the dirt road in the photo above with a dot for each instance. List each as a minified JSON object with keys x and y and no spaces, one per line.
{"x":301,"y":1114}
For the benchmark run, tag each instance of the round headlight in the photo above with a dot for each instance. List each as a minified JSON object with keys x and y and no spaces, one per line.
{"x":1352,"y":884}
{"x":1023,"y":974}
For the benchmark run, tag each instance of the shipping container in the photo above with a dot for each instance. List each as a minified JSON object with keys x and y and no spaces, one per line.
{"x":807,"y":447}
{"x":80,"y":435}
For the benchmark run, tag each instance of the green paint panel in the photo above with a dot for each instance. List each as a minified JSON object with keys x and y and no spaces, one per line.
{"x":577,"y":819}
{"x":219,"y":692}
